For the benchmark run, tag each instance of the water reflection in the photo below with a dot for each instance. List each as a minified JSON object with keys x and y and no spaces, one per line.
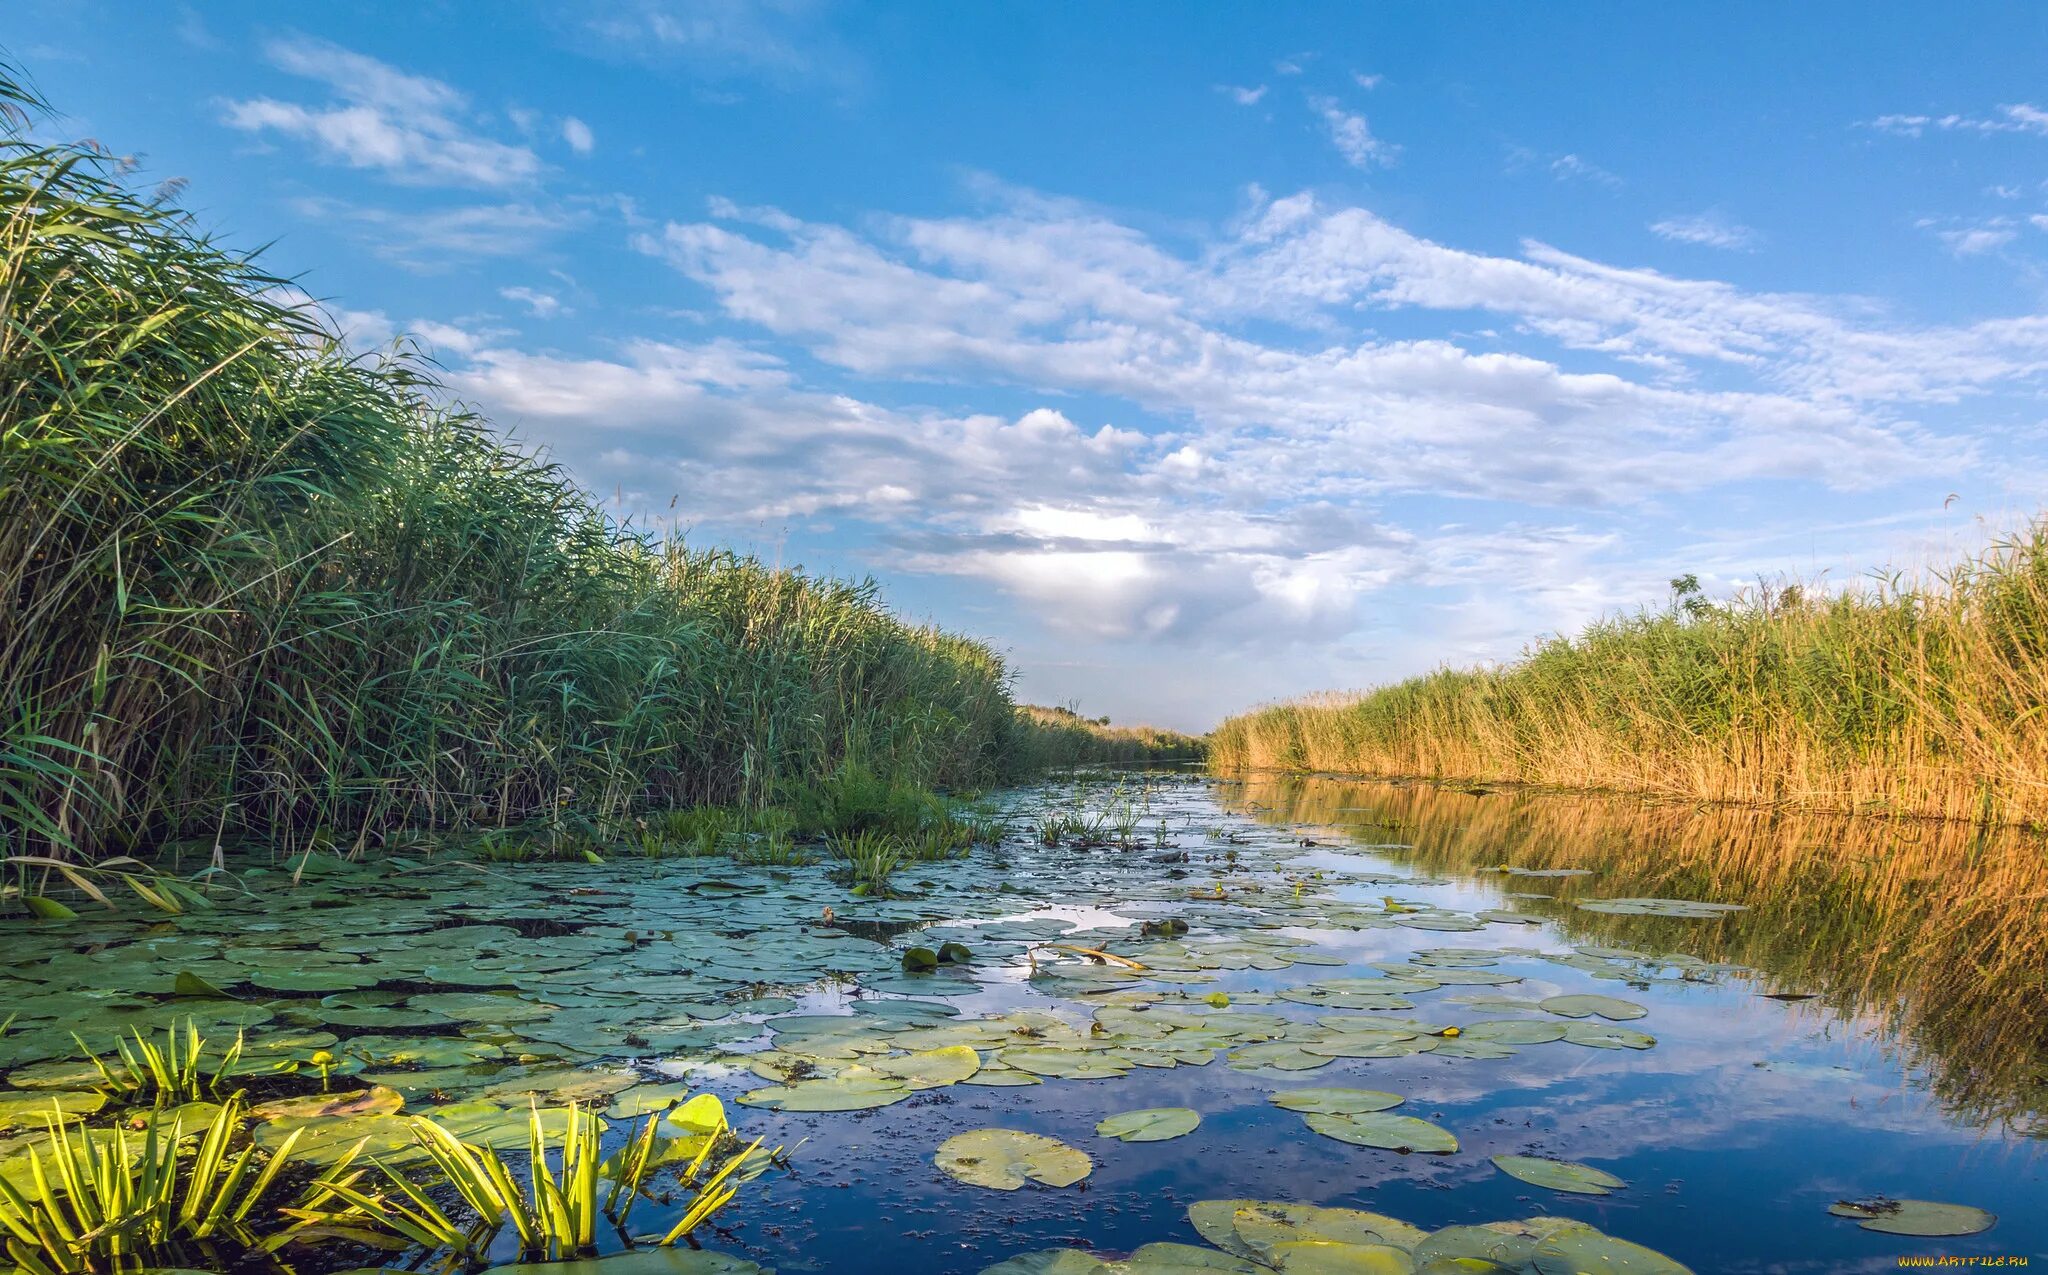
{"x":1936,"y":934}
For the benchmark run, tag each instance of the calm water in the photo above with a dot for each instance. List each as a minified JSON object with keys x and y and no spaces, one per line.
{"x":1910,"y":1066}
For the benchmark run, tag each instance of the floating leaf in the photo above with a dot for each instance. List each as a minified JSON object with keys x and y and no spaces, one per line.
{"x":1581,"y":1250}
{"x":1598,"y":1037}
{"x":1914,"y":1217}
{"x":47,"y":909}
{"x":377,"y":1100}
{"x":931,"y":1068}
{"x":1336,"y":1102}
{"x":1331,"y":1257}
{"x":1154,"y":1124}
{"x":920,"y":958}
{"x":1607,"y":1007}
{"x":700,"y":1115}
{"x":189,"y":984}
{"x":855,"y":1089}
{"x":1558,"y":1175}
{"x":1253,"y":1228}
{"x":1388,"y":1132}
{"x":1005,"y":1159}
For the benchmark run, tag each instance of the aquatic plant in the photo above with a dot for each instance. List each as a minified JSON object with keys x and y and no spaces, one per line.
{"x":260,"y":585}
{"x":566,"y":1188}
{"x":1918,"y":697}
{"x":870,"y":858}
{"x":175,"y":1071}
{"x":102,"y":1194}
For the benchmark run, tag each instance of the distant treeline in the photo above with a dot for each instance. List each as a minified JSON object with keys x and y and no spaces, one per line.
{"x":1052,"y":737}
{"x":252,"y":584}
{"x":1921,"y":697}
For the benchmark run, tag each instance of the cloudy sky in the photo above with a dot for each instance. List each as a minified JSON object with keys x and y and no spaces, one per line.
{"x":1197,"y":355}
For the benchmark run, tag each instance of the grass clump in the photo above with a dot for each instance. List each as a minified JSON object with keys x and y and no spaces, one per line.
{"x":1915,"y":697}
{"x":259,"y":586}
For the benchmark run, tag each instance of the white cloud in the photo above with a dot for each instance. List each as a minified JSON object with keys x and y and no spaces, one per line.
{"x":540,"y":305}
{"x":1243,"y":96}
{"x":2017,"y":117}
{"x":1367,"y":82}
{"x":413,"y":129}
{"x":1259,"y":428}
{"x":1574,"y":168}
{"x":1974,"y":241}
{"x":578,"y":135}
{"x":1709,"y":229}
{"x":1352,"y":135}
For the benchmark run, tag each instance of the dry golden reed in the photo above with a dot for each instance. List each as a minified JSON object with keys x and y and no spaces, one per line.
{"x":1918,"y":697}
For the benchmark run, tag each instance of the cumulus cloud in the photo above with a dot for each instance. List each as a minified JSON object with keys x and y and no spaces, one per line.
{"x":413,"y":129}
{"x":578,"y":135}
{"x":1255,"y":445}
{"x":1242,"y":96}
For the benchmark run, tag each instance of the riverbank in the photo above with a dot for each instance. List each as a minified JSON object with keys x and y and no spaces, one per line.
{"x":1906,"y":697}
{"x":263,"y":586}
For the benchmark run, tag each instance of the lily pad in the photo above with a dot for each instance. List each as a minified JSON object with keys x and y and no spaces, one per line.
{"x":855,"y":1089}
{"x":1915,"y":1217}
{"x":931,"y":1068}
{"x":1331,"y":1257}
{"x":1596,"y":1036}
{"x":1336,"y":1102}
{"x":1608,"y":1007}
{"x":1581,"y":1250}
{"x":1154,"y":1124}
{"x":1005,"y":1159}
{"x":1558,"y":1175}
{"x":1387,"y":1132}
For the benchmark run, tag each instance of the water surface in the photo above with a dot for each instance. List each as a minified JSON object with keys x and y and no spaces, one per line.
{"x":1865,"y":1019}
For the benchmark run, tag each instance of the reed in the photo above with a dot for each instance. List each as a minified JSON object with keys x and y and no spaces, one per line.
{"x":1051,"y":738}
{"x":258,"y":586}
{"x":1907,"y":696}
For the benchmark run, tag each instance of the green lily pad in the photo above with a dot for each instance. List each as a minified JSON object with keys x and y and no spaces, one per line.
{"x":1005,"y":1159}
{"x":854,"y":1089}
{"x":35,"y":1110}
{"x":1154,"y":1124}
{"x":1387,"y":1132}
{"x":1596,"y":1036}
{"x":1558,"y":1175}
{"x":1252,"y":1228}
{"x":1581,"y":1250}
{"x":1514,"y":1031}
{"x":1331,"y":1257}
{"x":1915,"y":1217}
{"x":930,"y":1068}
{"x":1607,"y":1007}
{"x":1336,"y":1102}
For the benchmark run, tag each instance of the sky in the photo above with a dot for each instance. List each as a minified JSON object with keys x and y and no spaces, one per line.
{"x":1195,"y":355}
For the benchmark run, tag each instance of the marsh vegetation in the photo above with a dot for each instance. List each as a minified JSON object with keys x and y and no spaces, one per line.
{"x":1906,"y":697}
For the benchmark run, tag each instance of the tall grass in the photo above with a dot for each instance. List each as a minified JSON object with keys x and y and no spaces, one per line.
{"x":253,"y":584}
{"x":1921,"y":697}
{"x":1056,"y":737}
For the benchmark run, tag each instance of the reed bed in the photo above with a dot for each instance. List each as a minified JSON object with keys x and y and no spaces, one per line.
{"x":1924,"y":697}
{"x":254,"y":585}
{"x":1051,"y":738}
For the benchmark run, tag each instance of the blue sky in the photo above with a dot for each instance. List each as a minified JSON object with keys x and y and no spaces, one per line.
{"x":1197,"y":355}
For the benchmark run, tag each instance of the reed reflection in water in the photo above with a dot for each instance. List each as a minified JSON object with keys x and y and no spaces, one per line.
{"x":1934,"y":935}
